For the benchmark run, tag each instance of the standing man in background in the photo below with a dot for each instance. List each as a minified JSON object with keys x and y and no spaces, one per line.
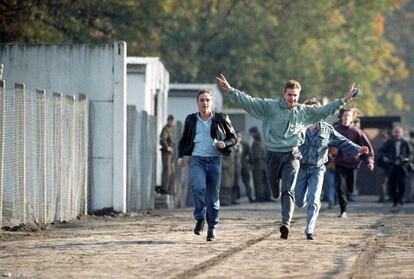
{"x":258,"y":156}
{"x":397,"y":154}
{"x":238,"y":149}
{"x":246,"y":165}
{"x":409,"y":196}
{"x":227,"y":179}
{"x":284,"y":122}
{"x":207,"y":135}
{"x":167,"y":142}
{"x":382,"y":179}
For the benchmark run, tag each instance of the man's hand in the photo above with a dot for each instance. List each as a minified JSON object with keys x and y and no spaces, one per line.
{"x":181,"y":163}
{"x":350,"y":93}
{"x":221,"y":144}
{"x":370,"y":166}
{"x":223,"y":83}
{"x":170,"y":149}
{"x":363,"y":150}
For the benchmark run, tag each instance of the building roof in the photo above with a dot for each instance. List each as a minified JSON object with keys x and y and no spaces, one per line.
{"x":186,"y":89}
{"x":379,"y":121}
{"x":136,"y":60}
{"x":192,"y":86}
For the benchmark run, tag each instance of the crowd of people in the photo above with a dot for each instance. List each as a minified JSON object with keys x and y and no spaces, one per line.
{"x":295,"y":156}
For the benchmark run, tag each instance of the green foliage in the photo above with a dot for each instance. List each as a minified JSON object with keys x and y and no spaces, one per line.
{"x":324,"y":44}
{"x":398,"y":96}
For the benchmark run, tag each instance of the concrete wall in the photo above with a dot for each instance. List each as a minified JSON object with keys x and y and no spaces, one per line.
{"x":100,"y":72}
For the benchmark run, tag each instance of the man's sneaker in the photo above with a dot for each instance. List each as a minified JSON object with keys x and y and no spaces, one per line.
{"x":309,"y":236}
{"x":343,"y":215}
{"x":199,"y":226}
{"x":284,"y":231}
{"x":210,"y":236}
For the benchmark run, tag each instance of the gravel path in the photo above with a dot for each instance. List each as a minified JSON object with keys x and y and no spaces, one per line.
{"x":373,"y":242}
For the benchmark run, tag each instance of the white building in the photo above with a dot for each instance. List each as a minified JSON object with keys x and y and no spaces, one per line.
{"x":147,"y":89}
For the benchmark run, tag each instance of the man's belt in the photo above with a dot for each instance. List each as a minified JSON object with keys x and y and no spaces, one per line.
{"x":307,"y":166}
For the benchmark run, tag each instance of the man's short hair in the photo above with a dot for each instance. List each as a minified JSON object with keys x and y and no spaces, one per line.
{"x":170,"y":117}
{"x":292,"y":84}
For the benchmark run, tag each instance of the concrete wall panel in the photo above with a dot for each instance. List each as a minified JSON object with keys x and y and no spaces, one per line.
{"x":99,"y":71}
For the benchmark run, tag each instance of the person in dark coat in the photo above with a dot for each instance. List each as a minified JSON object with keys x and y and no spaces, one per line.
{"x":207,"y":136}
{"x":346,"y":165}
{"x":397,"y":154}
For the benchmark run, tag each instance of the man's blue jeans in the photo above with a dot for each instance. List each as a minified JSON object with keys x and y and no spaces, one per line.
{"x":308,"y":192}
{"x":283,"y":166}
{"x":205,"y":175}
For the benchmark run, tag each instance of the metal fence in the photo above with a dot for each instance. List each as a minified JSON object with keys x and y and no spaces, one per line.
{"x":43,"y":156}
{"x":142,"y":142}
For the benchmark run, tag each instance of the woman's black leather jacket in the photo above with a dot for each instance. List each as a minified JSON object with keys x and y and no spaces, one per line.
{"x":221,"y":129}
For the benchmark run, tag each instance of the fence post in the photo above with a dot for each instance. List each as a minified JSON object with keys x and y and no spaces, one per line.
{"x":58,"y":143}
{"x":20,"y":116}
{"x":83,"y":103}
{"x":41,"y":144}
{"x":2,"y":116}
{"x":70,"y":148}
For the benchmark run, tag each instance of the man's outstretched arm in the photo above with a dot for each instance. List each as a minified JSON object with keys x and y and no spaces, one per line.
{"x":316,"y":114}
{"x":257,"y":107}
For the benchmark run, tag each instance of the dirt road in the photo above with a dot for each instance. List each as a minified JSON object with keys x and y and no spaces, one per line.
{"x":373,"y":242}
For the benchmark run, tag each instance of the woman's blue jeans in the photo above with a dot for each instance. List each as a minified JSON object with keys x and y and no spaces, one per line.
{"x":205,"y":175}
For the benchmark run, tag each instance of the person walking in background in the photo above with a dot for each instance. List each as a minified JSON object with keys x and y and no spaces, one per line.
{"x":411,"y":167}
{"x":235,"y":193}
{"x":397,"y":154}
{"x":346,"y":165}
{"x":382,"y":184}
{"x":246,"y":165}
{"x":284,"y":122}
{"x":227,"y":179}
{"x":207,"y":135}
{"x":258,"y":156}
{"x":330,"y":178}
{"x":318,"y":138}
{"x":167,"y":142}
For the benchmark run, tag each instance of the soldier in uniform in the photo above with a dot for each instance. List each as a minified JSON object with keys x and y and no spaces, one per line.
{"x":258,"y":153}
{"x":167,"y":142}
{"x":237,"y":149}
{"x":246,"y":165}
{"x":227,"y":179}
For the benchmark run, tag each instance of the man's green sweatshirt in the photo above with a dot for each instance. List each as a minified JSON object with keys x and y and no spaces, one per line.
{"x":283,"y":128}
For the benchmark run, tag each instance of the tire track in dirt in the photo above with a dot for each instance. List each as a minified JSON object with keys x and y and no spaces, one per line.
{"x":359,"y":264}
{"x":200,"y":268}
{"x":379,"y":257}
